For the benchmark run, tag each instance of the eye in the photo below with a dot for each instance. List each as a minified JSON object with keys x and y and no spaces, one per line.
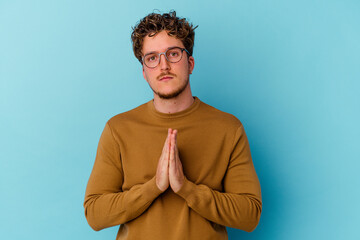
{"x":151,"y":58}
{"x":173,"y":54}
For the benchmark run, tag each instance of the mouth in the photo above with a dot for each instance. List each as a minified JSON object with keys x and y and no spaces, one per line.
{"x":165,"y":78}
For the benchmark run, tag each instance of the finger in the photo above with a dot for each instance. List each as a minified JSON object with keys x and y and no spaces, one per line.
{"x":174,"y":141}
{"x":174,"y":136}
{"x":172,"y":145}
{"x":164,"y":158}
{"x":172,"y":153}
{"x":169,"y":135}
{"x":174,"y":149}
{"x":167,"y":140}
{"x":167,"y":147}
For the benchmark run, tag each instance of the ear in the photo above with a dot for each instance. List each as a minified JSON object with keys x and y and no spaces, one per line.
{"x":191,"y":64}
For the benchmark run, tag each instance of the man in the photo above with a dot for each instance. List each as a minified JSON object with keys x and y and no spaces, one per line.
{"x":193,"y":185}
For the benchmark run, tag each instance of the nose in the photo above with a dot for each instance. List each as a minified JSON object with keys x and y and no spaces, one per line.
{"x":164,"y":64}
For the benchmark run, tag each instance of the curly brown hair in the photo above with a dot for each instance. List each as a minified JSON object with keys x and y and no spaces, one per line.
{"x":154,"y":23}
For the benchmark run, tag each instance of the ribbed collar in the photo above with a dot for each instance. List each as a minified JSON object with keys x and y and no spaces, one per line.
{"x":189,"y":110}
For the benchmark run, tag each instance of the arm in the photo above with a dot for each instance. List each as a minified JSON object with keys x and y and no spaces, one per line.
{"x":239,"y":206}
{"x":105,"y":203}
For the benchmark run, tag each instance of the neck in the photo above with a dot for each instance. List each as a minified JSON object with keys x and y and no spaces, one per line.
{"x":173,"y":105}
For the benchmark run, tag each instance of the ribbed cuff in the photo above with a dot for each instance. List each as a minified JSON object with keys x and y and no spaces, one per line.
{"x":150,"y":189}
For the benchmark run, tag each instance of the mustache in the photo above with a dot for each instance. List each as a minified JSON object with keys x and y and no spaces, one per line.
{"x":165,"y":74}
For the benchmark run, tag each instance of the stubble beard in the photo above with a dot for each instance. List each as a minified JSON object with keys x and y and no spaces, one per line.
{"x":173,"y":94}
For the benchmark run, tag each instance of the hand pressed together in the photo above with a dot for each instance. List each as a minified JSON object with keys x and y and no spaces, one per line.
{"x":170,"y":170}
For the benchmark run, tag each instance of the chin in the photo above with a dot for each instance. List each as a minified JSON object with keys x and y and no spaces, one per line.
{"x":171,"y":92}
{"x":170,"y":95}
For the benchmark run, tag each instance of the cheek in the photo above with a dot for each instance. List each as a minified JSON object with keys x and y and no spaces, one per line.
{"x":147,"y":75}
{"x":185,"y":69}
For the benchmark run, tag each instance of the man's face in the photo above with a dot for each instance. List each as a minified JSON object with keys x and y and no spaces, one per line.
{"x":167,"y":80}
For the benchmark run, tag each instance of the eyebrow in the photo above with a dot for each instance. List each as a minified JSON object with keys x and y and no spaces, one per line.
{"x":164,"y":51}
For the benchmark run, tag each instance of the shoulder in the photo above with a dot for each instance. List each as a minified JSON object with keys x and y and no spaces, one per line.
{"x":130,"y":116}
{"x":219,"y":117}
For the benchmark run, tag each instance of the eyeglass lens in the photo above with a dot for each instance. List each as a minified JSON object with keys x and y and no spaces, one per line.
{"x":173,"y":55}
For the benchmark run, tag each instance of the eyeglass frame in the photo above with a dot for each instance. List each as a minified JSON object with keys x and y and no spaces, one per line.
{"x":164,"y":53}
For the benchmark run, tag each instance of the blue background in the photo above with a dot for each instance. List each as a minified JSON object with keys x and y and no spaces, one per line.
{"x":289,"y":70}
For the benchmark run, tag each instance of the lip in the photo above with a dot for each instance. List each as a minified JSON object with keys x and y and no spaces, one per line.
{"x":166,"y":78}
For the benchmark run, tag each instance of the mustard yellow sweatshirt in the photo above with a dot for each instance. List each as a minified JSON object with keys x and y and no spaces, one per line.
{"x":221,"y":187}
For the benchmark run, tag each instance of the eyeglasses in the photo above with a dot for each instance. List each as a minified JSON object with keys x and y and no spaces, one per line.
{"x":173,"y":55}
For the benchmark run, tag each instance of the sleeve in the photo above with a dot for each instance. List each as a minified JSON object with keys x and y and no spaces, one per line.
{"x":105,"y":204}
{"x":240,"y":205}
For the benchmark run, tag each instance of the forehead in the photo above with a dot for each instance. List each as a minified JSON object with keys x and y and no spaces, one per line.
{"x":160,"y":42}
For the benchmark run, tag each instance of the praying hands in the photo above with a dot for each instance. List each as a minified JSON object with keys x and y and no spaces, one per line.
{"x":170,"y":170}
